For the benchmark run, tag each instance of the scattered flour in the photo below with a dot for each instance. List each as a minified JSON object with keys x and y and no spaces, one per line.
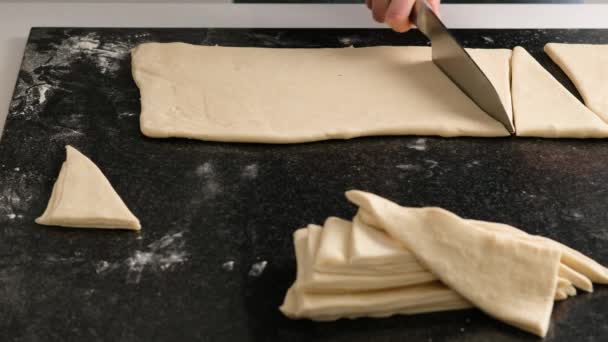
{"x":408,"y":167}
{"x":418,"y":145}
{"x":161,"y":255}
{"x":258,"y":268}
{"x":228,"y":266}
{"x":11,"y":216}
{"x":17,"y":169}
{"x":42,"y":90}
{"x":104,"y":266}
{"x":431,"y":163}
{"x":250,"y":171}
{"x":126,"y":115}
{"x":44,"y":70}
{"x":204,"y":169}
{"x":487,"y":39}
{"x":68,"y":133}
{"x":473,"y":163}
{"x":346,"y":41}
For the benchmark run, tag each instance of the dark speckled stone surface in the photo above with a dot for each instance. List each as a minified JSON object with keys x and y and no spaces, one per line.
{"x":212,"y":212}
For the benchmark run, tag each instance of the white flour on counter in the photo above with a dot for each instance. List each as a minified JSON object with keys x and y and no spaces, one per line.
{"x":43,"y":70}
{"x":159,"y":256}
{"x":258,"y":268}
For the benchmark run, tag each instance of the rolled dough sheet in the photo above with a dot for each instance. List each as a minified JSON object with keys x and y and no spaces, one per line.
{"x":587,"y":66}
{"x":82,"y":197}
{"x":299,"y":95}
{"x":544,"y":108}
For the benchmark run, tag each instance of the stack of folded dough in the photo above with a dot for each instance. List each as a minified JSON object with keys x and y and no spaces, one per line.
{"x":397,"y":260}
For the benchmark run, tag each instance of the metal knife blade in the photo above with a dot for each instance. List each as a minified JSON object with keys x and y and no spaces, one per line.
{"x":458,"y":65}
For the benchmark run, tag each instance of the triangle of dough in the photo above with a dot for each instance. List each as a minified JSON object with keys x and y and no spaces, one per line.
{"x":544,"y":108}
{"x":496,"y":65}
{"x":83,"y":197}
{"x":508,"y":278}
{"x":587,"y":67}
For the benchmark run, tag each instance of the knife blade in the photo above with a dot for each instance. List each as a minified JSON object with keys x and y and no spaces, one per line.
{"x":458,"y":65}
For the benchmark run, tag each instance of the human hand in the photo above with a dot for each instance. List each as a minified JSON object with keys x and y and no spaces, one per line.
{"x":396,"y":13}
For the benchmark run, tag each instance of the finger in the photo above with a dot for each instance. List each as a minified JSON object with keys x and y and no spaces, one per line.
{"x":379,"y":9}
{"x":368,"y":3}
{"x":398,"y":15}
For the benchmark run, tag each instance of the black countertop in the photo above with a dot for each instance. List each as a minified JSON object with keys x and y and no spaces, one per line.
{"x":215,"y":214}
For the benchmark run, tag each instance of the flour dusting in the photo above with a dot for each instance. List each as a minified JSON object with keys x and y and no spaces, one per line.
{"x":124,"y":115}
{"x":66,"y":134}
{"x":17,"y":169}
{"x":105,"y":267}
{"x":408,"y":167}
{"x":42,"y":71}
{"x":258,"y":268}
{"x":161,"y":255}
{"x":250,"y":171}
{"x":346,"y":41}
{"x":431,"y":164}
{"x":418,"y":145}
{"x":487,"y":39}
{"x":204,"y":169}
{"x":228,"y":266}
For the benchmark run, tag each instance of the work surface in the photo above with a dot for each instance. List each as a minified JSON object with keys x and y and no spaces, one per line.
{"x":215,"y":257}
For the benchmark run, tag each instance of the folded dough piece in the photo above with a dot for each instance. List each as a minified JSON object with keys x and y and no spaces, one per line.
{"x":82,"y":197}
{"x":302,"y":303}
{"x":587,"y":66}
{"x":513,"y":280}
{"x":306,"y":243}
{"x":431,"y":297}
{"x":370,"y":246}
{"x":544,"y":108}
{"x":578,"y":265}
{"x":348,"y":248}
{"x":297,"y":95}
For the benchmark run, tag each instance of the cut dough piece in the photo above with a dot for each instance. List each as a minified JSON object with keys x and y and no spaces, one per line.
{"x":83,"y":197}
{"x":560,"y":295}
{"x":333,"y":253}
{"x":575,"y":278}
{"x":574,"y":259}
{"x":306,"y":243}
{"x":298,"y":95}
{"x":587,"y":66}
{"x":514,"y":280}
{"x":370,"y":246}
{"x":498,"y":70}
{"x":430,"y":297}
{"x":544,"y":108}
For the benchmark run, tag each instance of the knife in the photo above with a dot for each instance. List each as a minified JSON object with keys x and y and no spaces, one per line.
{"x":458,"y":65}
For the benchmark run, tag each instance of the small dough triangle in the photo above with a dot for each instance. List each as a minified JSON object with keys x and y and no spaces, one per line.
{"x":544,"y":108}
{"x":587,"y":66}
{"x":82,"y":197}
